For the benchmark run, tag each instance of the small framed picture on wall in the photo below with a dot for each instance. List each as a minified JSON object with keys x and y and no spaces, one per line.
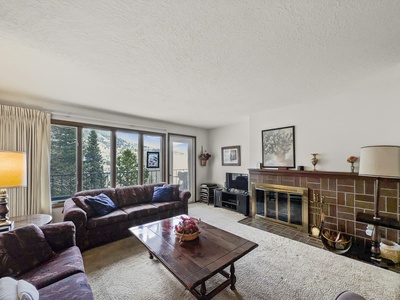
{"x":153,"y":160}
{"x":230,"y":156}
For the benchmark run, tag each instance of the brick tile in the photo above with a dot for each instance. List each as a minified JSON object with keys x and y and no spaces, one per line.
{"x":392,"y":205}
{"x":363,"y":204}
{"x":391,"y":234}
{"x":332,"y":184}
{"x":346,"y":181}
{"x":388,"y":184}
{"x":346,"y":216}
{"x":314,"y":180}
{"x":330,"y":194}
{"x":388,"y":193}
{"x":341,"y":198}
{"x":359,"y":186}
{"x":350,"y":227}
{"x":345,"y":188}
{"x":315,"y":186}
{"x":350,"y":199}
{"x":332,"y":210}
{"x":325,"y":183}
{"x":345,"y":209}
{"x":362,"y":197}
{"x":342,"y":225}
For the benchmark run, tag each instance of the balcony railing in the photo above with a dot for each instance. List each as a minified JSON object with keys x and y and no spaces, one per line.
{"x":63,"y":186}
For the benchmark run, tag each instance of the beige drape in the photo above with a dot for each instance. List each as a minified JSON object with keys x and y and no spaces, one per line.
{"x":28,"y":130}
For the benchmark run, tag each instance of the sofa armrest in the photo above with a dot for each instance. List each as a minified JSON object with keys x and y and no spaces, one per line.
{"x":76,"y":215}
{"x":184,"y":196}
{"x":60,"y":235}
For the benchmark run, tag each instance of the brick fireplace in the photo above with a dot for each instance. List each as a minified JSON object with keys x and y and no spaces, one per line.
{"x":345,"y":195}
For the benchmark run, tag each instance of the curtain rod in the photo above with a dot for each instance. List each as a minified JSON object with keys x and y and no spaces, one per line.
{"x":59,"y":115}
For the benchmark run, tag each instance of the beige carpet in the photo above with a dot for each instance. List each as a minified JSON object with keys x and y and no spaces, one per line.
{"x":279,"y":269}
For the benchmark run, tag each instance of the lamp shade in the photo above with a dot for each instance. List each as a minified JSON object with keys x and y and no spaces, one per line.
{"x":380,"y":161}
{"x":12,"y":169}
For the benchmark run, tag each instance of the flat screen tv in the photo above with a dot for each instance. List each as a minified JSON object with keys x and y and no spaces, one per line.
{"x":237,"y":181}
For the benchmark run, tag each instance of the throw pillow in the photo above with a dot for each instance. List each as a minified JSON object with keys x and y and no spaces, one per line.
{"x":23,"y":249}
{"x":27,"y":291}
{"x":80,"y":202}
{"x":8,"y":288}
{"x":162,"y":193}
{"x":11,"y":289}
{"x":101,"y":204}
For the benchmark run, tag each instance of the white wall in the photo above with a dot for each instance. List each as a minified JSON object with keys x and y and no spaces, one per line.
{"x":335,"y":127}
{"x":232,"y":135}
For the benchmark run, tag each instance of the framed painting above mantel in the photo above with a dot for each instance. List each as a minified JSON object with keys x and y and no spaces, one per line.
{"x":278,"y":149}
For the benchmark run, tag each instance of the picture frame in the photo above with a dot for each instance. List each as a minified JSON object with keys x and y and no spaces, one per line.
{"x":230,"y":156}
{"x":153,"y":160}
{"x":278,"y":148}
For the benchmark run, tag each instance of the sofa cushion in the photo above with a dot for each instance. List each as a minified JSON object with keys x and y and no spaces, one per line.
{"x":165,"y":206}
{"x":23,"y":249}
{"x":116,"y":216}
{"x":80,"y":202}
{"x":131,"y":195}
{"x":72,"y":287}
{"x":62,"y":265}
{"x":162,"y":194}
{"x":140,"y":210}
{"x":101,"y":204}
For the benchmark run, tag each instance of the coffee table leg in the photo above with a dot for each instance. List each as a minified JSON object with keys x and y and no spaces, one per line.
{"x":203,"y":289}
{"x":233,"y":277}
{"x":150,"y":255}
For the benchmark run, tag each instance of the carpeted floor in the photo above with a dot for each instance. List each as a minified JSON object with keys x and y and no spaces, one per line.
{"x":279,"y":269}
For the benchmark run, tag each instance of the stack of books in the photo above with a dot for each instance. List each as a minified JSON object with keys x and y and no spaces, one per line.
{"x":7,"y":227}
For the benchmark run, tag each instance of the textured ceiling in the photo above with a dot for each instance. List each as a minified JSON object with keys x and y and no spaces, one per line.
{"x":201,"y":63}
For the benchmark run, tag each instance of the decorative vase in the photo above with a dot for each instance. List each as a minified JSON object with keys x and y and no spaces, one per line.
{"x":314,"y":160}
{"x":352,"y":167}
{"x":203,"y":162}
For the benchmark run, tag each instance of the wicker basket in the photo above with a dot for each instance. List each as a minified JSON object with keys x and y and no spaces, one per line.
{"x":187,"y":236}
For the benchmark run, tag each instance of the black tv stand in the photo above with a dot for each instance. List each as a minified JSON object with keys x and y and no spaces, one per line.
{"x":236,"y":200}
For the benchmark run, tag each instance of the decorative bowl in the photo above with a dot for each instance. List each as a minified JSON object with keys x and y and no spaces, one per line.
{"x":184,"y":237}
{"x":336,"y":242}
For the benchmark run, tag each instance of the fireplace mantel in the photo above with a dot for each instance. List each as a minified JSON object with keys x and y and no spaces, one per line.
{"x":346,"y":195}
{"x":319,"y":174}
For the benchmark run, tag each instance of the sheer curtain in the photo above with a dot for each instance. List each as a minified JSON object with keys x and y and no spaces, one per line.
{"x":28,"y":130}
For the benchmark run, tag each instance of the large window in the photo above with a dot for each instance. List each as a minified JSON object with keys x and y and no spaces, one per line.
{"x":86,"y":157}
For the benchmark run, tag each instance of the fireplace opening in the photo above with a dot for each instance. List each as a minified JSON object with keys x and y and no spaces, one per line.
{"x":284,"y":204}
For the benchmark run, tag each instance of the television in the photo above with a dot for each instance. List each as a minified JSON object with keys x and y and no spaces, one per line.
{"x":237,"y":181}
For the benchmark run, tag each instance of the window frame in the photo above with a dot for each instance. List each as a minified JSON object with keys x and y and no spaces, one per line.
{"x":113,"y":148}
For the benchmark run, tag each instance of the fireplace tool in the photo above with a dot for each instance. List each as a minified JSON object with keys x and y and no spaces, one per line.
{"x":318,"y":216}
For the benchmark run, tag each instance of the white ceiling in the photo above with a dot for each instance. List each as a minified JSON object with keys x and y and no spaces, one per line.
{"x":200,"y":63}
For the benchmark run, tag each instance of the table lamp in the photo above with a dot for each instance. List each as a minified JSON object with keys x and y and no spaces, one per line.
{"x":379,"y":162}
{"x":12,"y":174}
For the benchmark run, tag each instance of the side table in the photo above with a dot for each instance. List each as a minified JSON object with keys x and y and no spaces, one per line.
{"x":37,"y":219}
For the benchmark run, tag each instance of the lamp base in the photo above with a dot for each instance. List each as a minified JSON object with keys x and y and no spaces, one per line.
{"x":4,"y":208}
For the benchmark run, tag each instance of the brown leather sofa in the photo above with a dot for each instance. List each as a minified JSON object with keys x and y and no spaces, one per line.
{"x":135,"y":206}
{"x":46,"y":257}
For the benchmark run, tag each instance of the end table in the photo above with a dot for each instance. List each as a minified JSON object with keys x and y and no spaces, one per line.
{"x":37,"y":219}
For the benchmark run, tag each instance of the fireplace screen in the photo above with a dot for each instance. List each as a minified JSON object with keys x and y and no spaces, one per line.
{"x":285,"y":206}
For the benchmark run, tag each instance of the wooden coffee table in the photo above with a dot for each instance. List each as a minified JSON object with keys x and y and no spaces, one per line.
{"x":194,"y":262}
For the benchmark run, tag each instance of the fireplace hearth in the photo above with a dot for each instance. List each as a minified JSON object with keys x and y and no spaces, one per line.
{"x":287,"y":205}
